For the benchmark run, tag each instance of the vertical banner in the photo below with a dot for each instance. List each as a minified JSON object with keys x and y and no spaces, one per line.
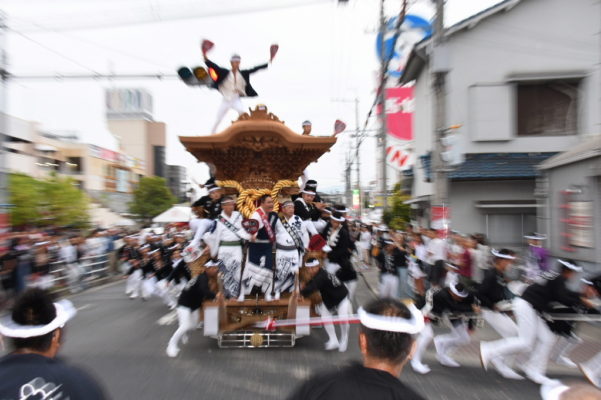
{"x":441,"y":218}
{"x":399,"y":112}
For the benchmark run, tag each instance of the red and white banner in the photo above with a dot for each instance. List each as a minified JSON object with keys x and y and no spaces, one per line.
{"x":441,"y":218}
{"x":399,"y":157}
{"x":399,"y":112}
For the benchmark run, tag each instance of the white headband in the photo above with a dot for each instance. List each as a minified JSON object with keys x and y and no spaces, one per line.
{"x":313,"y":263}
{"x":308,"y":192}
{"x":453,"y":267}
{"x":228,"y":201}
{"x":341,"y":219}
{"x":587,"y":282}
{"x":344,"y":210}
{"x":214,"y":188}
{"x":64,"y":312}
{"x":393,"y":324}
{"x":500,"y":255}
{"x":457,"y":292}
{"x":571,"y":266}
{"x":536,"y":236}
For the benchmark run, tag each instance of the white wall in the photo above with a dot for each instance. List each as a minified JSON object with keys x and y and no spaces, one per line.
{"x":536,"y":36}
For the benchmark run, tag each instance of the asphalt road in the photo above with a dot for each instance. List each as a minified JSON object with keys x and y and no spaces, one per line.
{"x":122,"y":343}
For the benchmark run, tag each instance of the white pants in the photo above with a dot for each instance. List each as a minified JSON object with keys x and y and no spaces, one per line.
{"x":459,"y":336}
{"x":500,"y":322}
{"x":187,"y":320}
{"x":225,"y":106}
{"x":134,"y":283}
{"x":351,"y":286}
{"x":403,"y":284}
{"x":162,"y":290}
{"x":149,"y":287}
{"x":345,"y":308}
{"x":389,"y":284}
{"x":534,"y":337}
{"x":422,"y":342}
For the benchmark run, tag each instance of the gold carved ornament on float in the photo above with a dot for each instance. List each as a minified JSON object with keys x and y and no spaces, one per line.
{"x":247,"y":198}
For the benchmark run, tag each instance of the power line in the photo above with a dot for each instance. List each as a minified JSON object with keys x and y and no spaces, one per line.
{"x":53,"y":51}
{"x":182,"y":14}
{"x":90,"y":42}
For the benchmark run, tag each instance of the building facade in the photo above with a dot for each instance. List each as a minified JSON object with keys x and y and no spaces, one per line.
{"x":524,"y":86}
{"x":176,"y":181}
{"x":129,"y":119}
{"x":569,"y":190}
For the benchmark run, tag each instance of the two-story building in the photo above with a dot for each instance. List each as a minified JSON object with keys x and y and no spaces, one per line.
{"x":524,"y":80}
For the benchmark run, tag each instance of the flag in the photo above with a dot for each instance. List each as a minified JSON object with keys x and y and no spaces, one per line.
{"x":339,"y":127}
{"x":273,"y":50}
{"x":206,"y":46}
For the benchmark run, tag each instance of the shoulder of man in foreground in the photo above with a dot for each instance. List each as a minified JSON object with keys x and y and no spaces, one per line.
{"x":19,"y":371}
{"x":354,"y":382}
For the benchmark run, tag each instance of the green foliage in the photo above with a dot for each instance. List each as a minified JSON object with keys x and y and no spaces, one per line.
{"x":151,"y":197}
{"x":399,"y":215}
{"x":53,"y":201}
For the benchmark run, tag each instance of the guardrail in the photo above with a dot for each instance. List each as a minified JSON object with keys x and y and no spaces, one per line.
{"x":77,"y":275}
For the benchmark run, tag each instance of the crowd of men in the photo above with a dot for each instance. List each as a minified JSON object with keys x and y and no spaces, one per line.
{"x":454,"y":279}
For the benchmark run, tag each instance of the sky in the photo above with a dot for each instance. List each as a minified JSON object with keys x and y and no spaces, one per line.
{"x":327,"y":58}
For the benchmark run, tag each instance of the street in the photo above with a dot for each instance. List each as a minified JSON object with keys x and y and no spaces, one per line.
{"x":122,"y":342}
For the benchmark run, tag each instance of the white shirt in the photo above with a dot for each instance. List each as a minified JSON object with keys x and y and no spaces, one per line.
{"x":233,"y":86}
{"x":223,"y":233}
{"x":365,"y":240}
{"x":437,"y":250}
{"x":68,"y":253}
{"x":297,"y":224}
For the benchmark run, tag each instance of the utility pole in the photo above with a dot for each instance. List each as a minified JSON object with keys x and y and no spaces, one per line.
{"x":439,"y":205}
{"x":3,"y":127}
{"x":381,"y":102}
{"x":348,"y":194}
{"x":357,"y":159}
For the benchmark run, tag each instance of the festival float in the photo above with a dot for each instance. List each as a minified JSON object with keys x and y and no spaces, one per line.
{"x":256,"y":155}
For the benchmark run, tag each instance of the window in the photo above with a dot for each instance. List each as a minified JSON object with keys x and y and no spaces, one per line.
{"x":548,"y":108}
{"x":74,"y":165}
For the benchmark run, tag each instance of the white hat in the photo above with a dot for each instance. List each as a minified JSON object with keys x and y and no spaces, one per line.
{"x":453,"y":287}
{"x":339,"y":219}
{"x":312,"y":262}
{"x":571,"y":266}
{"x":393,"y":324}
{"x":64,"y":312}
{"x":235,"y":57}
{"x":535,"y":236}
{"x":501,"y":255}
{"x":452,"y":266}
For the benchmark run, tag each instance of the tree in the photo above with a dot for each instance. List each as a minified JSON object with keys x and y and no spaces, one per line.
{"x":151,"y":197}
{"x":64,"y":204}
{"x":25,"y":196}
{"x":399,"y":215}
{"x":53,"y":201}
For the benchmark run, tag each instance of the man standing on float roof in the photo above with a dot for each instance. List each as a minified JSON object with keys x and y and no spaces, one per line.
{"x":232,"y":84}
